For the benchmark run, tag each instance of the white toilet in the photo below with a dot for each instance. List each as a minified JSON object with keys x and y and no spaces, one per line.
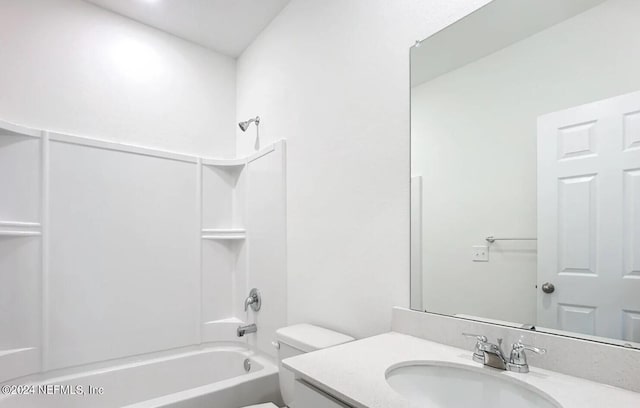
{"x":295,"y":340}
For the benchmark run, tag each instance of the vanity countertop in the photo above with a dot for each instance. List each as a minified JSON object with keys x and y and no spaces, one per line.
{"x":355,"y":373}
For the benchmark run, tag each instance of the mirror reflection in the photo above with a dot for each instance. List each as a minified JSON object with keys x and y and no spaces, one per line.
{"x":525,"y":168}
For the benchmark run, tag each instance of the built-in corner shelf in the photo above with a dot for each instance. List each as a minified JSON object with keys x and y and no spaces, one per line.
{"x":11,"y":129}
{"x":10,"y":233}
{"x":4,"y":353}
{"x":19,"y":229}
{"x":224,"y":234}
{"x":224,"y":162}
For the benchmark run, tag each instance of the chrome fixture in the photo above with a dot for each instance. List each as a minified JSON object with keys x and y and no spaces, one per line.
{"x":491,"y":355}
{"x":247,"y":365}
{"x":494,"y":356}
{"x":478,"y":352}
{"x":245,"y":125}
{"x":518,"y":359}
{"x":491,"y":239}
{"x":249,"y":328}
{"x":254,"y":300}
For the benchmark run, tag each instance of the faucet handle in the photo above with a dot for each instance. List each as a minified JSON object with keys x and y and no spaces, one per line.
{"x":537,"y":350}
{"x":254,"y":300}
{"x":478,"y":351}
{"x":518,"y":357}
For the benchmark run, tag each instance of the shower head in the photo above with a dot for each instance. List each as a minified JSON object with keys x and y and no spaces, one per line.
{"x":245,"y":125}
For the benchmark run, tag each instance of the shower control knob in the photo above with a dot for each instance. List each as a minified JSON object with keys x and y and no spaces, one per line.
{"x":548,"y":287}
{"x":254,"y":300}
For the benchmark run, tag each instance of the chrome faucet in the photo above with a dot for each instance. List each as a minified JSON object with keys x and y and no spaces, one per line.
{"x":491,"y":354}
{"x":518,"y":358}
{"x":488,"y":353}
{"x":249,"y":328}
{"x":254,"y":300}
{"x":494,"y":356}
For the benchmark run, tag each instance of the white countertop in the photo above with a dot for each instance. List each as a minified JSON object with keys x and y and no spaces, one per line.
{"x":355,"y":373}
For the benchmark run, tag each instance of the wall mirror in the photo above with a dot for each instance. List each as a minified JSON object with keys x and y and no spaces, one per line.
{"x":525,"y":168}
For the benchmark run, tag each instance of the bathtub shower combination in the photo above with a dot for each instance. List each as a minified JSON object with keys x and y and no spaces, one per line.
{"x":125,"y":269}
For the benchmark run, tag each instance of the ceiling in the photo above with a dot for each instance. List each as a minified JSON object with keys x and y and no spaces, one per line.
{"x":491,"y":28}
{"x":225,"y":26}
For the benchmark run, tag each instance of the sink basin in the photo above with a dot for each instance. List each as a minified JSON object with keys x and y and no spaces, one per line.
{"x":440,"y":385}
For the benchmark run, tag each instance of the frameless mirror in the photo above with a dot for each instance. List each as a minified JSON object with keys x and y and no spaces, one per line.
{"x":525,"y":168}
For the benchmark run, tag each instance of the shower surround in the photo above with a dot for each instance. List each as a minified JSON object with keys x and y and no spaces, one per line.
{"x":109,"y":251}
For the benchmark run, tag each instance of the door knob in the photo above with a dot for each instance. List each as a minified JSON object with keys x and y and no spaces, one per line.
{"x":548,"y":287}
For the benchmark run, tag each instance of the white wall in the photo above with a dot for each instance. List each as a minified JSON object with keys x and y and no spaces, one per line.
{"x":474,"y":143}
{"x":72,"y":67}
{"x":332,"y":77}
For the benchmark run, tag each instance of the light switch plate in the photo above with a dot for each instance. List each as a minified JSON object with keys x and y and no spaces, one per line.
{"x":480,"y":253}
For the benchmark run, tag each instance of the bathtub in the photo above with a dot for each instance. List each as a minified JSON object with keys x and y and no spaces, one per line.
{"x":210,"y":377}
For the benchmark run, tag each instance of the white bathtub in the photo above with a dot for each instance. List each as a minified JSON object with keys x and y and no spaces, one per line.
{"x":212,"y":377}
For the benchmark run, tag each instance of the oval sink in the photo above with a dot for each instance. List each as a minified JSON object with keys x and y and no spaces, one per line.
{"x":441,"y":385}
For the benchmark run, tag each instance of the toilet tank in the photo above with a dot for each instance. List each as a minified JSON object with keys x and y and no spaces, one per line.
{"x":299,"y":339}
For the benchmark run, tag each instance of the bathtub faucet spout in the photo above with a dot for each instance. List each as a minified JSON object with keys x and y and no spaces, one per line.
{"x":250,"y":328}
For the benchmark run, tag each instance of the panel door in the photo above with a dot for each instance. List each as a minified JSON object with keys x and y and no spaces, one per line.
{"x":589,"y":218}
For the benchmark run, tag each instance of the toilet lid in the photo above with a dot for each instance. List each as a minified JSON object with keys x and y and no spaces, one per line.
{"x":307,"y":337}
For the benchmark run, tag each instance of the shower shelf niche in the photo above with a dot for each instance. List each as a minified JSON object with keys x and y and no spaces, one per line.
{"x":19,"y":229}
{"x":223,"y":194}
{"x":224,"y":234}
{"x":241,"y":233}
{"x":20,"y":249}
{"x":224,"y":162}
{"x":18,"y":234}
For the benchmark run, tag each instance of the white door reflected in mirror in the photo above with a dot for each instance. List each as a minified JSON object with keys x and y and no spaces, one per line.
{"x":589,"y":218}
